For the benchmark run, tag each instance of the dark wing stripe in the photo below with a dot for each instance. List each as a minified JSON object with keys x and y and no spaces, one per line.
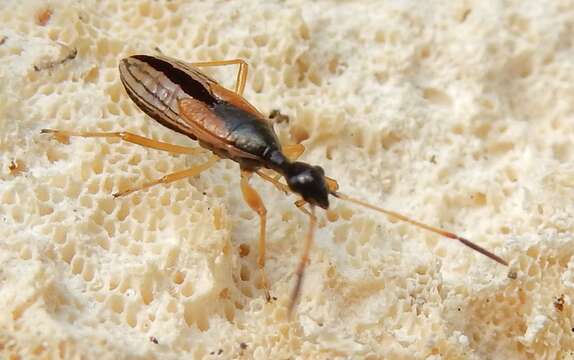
{"x":168,"y":118}
{"x":189,"y":85}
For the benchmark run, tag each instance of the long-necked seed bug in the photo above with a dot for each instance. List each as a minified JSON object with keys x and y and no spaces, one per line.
{"x":180,"y":97}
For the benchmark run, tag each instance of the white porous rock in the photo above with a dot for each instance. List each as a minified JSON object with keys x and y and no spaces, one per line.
{"x":459,"y":114}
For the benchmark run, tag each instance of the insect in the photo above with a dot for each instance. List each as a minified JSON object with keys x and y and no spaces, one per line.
{"x":179,"y":96}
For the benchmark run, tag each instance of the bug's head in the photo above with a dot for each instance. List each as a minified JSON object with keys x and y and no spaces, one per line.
{"x":309,"y":182}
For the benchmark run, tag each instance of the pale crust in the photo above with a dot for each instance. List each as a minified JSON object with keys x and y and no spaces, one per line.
{"x":456,"y":113}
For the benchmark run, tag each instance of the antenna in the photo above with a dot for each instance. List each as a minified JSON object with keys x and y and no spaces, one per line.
{"x":433,"y":229}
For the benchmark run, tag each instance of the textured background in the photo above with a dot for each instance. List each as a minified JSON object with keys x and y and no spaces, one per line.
{"x":458,"y":113}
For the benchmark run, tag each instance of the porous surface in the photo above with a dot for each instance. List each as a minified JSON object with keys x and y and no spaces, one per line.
{"x":457,"y":113}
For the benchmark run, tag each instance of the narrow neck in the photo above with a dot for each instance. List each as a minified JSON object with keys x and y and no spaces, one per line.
{"x":278,"y":161}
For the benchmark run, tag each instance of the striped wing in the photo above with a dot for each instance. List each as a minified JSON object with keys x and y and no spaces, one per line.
{"x":180,"y":97}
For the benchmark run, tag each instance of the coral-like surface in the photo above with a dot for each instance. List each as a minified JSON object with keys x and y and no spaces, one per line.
{"x":457,"y":113}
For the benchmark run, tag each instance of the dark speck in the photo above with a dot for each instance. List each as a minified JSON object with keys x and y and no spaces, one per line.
{"x":465,"y":15}
{"x":153,"y":339}
{"x":220,"y":351}
{"x":243,"y":346}
{"x":559,"y":303}
{"x":277,"y":117}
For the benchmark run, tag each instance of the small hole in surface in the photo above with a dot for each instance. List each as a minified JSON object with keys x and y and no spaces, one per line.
{"x":88,"y":273}
{"x":229,"y":311}
{"x":287,"y":215}
{"x":332,"y":216}
{"x":202,"y":322}
{"x":187,"y":289}
{"x":116,"y":303}
{"x":246,"y":290}
{"x":68,"y":252}
{"x":424,"y":52}
{"x":77,"y":265}
{"x":178,"y":277}
{"x":521,"y":66}
{"x":131,"y":317}
{"x":458,"y":129}
{"x":146,"y":292}
{"x":25,"y":254}
{"x":479,"y":199}
{"x":437,"y":97}
{"x":244,"y":250}
{"x":245,"y":273}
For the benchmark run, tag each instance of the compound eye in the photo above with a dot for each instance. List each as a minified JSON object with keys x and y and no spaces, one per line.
{"x":320,"y":169}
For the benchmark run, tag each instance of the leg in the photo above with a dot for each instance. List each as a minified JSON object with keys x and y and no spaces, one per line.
{"x":305,"y":257}
{"x":254,"y":201}
{"x":63,"y":136}
{"x":293,"y":151}
{"x":274,"y":180}
{"x":332,"y":184}
{"x":241,"y":74}
{"x":193,"y":171}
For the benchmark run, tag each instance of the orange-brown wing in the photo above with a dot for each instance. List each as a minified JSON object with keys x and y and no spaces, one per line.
{"x":211,"y":130}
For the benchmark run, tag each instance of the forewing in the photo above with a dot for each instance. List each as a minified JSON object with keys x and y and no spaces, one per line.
{"x":179,"y":96}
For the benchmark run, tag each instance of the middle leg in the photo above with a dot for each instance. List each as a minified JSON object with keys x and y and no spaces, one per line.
{"x":254,"y":201}
{"x":193,"y":171}
{"x":241,"y":74}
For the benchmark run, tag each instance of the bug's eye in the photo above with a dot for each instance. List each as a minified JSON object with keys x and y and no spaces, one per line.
{"x":320,"y":169}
